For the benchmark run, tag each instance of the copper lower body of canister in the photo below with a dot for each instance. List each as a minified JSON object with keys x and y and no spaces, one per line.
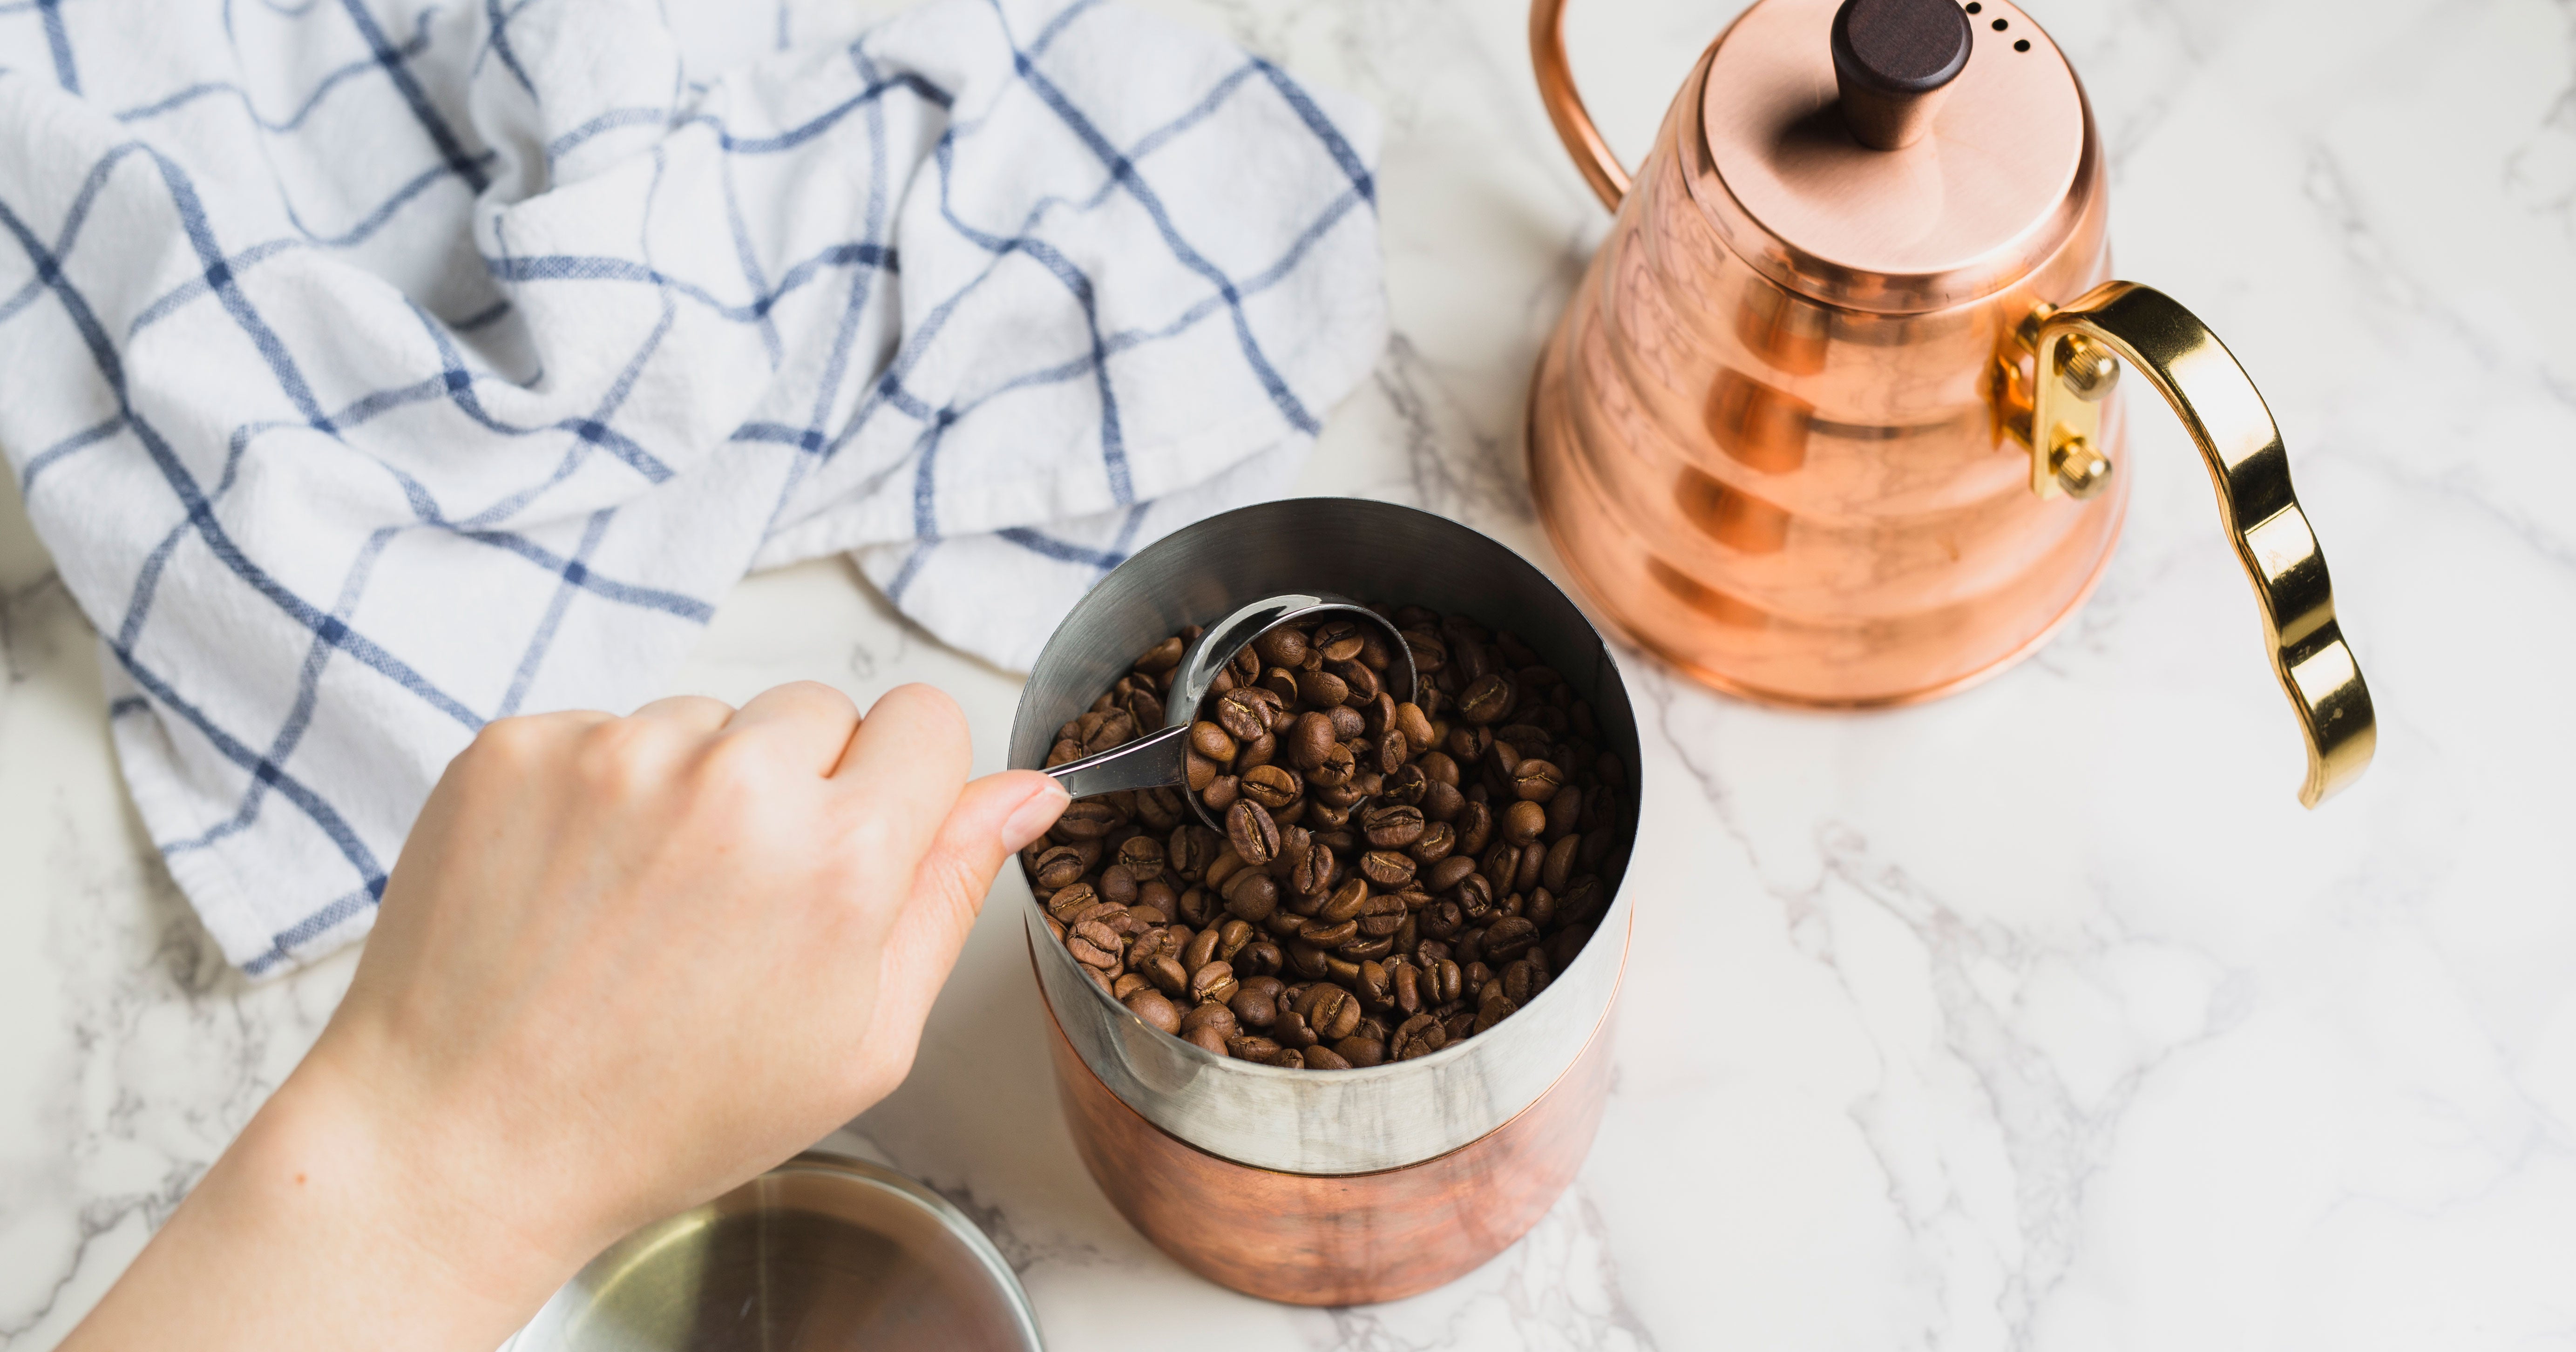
{"x":1325,"y":1239}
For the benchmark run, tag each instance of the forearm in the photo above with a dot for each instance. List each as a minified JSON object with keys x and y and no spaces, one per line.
{"x":318,"y":1230}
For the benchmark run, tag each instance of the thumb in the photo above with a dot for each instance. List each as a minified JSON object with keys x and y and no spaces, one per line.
{"x":994,"y":818}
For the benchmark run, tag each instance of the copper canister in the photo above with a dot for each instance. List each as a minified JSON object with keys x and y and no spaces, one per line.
{"x":1330,"y":1187}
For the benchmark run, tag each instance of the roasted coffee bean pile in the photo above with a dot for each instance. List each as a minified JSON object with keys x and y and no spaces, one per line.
{"x":1394,"y":875}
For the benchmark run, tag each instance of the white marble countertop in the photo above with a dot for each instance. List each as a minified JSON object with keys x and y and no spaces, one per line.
{"x":2038,"y":1018}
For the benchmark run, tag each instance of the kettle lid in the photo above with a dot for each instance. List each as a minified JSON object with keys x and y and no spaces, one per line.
{"x":1990,"y":143}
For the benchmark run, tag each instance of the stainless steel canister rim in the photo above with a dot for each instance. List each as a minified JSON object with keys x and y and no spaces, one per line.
{"x":1325,"y":1122}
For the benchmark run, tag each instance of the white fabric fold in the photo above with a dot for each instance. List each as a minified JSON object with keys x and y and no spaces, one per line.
{"x":376,"y":369}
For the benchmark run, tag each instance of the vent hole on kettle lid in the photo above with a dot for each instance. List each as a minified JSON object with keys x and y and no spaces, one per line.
{"x":1975,"y":8}
{"x":2022,"y":46}
{"x":2002,"y":24}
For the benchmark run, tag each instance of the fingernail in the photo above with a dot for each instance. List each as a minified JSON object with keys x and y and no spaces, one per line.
{"x":1034,"y":815}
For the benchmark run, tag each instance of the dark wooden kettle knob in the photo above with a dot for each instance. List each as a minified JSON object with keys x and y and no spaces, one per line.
{"x":1892,"y":60}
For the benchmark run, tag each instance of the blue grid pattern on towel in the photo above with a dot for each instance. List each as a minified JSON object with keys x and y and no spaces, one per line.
{"x":846,"y":396}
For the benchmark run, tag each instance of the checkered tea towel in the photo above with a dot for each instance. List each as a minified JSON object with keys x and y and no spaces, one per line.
{"x":377,"y":368}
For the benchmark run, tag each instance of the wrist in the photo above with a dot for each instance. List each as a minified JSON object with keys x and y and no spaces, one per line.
{"x":342,"y":1164}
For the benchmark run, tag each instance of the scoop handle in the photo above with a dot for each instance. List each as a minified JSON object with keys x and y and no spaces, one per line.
{"x":1592,"y":154}
{"x":1156,"y":761}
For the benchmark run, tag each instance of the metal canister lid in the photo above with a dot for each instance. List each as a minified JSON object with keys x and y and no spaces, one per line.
{"x":823,"y":1253}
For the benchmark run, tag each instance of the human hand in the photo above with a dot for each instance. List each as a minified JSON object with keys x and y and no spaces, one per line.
{"x":622,"y":965}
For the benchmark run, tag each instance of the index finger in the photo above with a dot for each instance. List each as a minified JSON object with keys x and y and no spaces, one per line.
{"x":905,"y":766}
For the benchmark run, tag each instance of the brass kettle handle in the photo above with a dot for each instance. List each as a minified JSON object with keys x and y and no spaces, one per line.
{"x":2227,"y":419}
{"x":1592,"y":155}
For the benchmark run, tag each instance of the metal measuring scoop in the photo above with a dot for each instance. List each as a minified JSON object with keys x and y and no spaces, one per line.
{"x":1161,"y":761}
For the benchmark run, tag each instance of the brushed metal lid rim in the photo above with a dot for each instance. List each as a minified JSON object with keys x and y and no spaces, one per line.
{"x":845,"y":1169}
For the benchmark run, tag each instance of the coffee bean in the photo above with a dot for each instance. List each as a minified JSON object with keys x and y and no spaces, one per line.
{"x":1118,"y":885}
{"x":1251,"y":897}
{"x":1564,"y":811}
{"x":1508,"y":938}
{"x":1443,"y":982}
{"x":1418,"y":1036}
{"x":1290,"y":1030}
{"x":1489,"y":700}
{"x":1251,"y":1047}
{"x":1459,"y":1026}
{"x":1533,"y":859}
{"x":1207,"y":1040}
{"x":1331,"y":1012}
{"x":1199,"y":952}
{"x":1339,"y":767}
{"x":1068,"y":902}
{"x":1521,"y":981}
{"x":1212,"y":741}
{"x":1392,"y":827}
{"x":1217,"y":1017}
{"x":1316,"y":872}
{"x":1306,"y":960}
{"x":1281,"y":646}
{"x":1382,"y":915}
{"x":1447,"y":873}
{"x":1220,"y":793}
{"x":1322,"y":689}
{"x":1340,"y":639}
{"x":1414,"y":724}
{"x":1324,"y":1058}
{"x":1475,"y":899}
{"x":1253,"y":834}
{"x":1261,"y":956}
{"x":1125,"y":986}
{"x":1325,"y":934}
{"x":1359,"y":684}
{"x":1475,"y":828}
{"x":1536,"y":781}
{"x":1213,"y":983}
{"x":1152,"y":1007}
{"x":1524,"y":822}
{"x":1167,"y":975}
{"x":1090,"y":954}
{"x":1085,"y":819}
{"x":1243,"y":714}
{"x":1155,"y":942}
{"x":1254,"y":1009}
{"x":1406,"y":989}
{"x":1310,"y":740}
{"x":1361,"y":1052}
{"x":1556,"y":871}
{"x":1271,"y":786}
{"x":1059,"y":868}
{"x":1406,"y":786}
{"x":1377,"y":986}
{"x":1099,"y":936}
{"x":1232,"y":938}
{"x":1387,"y":868}
{"x":1288,"y":1058}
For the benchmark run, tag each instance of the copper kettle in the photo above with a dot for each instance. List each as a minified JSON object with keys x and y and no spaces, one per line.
{"x":1834,"y":418}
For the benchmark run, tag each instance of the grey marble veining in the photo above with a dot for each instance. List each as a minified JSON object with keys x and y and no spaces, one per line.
{"x":2038,"y":1018}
